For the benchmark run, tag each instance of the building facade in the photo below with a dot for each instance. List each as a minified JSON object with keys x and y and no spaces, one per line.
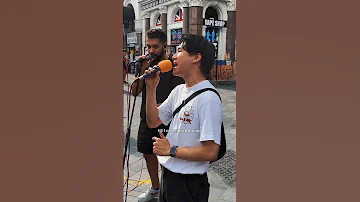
{"x":215,"y":20}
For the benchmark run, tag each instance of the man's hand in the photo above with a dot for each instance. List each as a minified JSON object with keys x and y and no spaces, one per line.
{"x":161,"y":145}
{"x":141,"y":56}
{"x":153,"y":81}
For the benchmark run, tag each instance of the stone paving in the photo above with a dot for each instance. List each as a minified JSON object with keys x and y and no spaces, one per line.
{"x":222,"y":181}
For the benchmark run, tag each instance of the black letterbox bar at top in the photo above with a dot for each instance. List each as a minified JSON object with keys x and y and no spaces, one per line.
{"x":214,"y":23}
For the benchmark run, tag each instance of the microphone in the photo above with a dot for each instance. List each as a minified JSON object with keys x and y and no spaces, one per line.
{"x":163,"y":66}
{"x":148,"y":57}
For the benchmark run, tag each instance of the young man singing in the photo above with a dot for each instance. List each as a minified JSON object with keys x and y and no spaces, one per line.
{"x":194,"y":135}
{"x":156,"y":45}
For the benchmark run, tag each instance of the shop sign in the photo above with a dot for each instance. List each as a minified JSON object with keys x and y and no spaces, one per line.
{"x":131,"y":37}
{"x":176,"y":36}
{"x":214,"y":23}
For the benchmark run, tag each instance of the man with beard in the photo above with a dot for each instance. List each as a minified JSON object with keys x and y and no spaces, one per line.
{"x":156,"y":45}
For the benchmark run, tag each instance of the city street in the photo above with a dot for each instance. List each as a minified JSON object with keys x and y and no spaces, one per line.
{"x":222,"y":174}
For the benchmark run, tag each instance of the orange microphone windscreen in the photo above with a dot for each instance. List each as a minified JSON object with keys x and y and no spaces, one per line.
{"x":165,"y":66}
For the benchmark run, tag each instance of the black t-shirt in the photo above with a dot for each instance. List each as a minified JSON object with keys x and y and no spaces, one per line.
{"x":166,"y":84}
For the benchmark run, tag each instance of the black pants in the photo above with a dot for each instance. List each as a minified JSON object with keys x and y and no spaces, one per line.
{"x":145,"y":135}
{"x":183,"y":187}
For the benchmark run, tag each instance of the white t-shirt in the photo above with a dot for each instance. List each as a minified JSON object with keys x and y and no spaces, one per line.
{"x":199,"y":120}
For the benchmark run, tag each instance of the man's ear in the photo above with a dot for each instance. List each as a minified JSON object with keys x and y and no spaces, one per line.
{"x":165,"y":44}
{"x":197,"y":58}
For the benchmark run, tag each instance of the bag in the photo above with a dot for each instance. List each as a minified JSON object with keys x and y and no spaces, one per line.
{"x":222,"y":149}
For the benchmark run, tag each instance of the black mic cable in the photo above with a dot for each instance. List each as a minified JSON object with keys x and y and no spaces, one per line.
{"x":127,"y":136}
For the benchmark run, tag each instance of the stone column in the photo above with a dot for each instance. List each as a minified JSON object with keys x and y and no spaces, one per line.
{"x":163,"y":12}
{"x":139,"y":42}
{"x":124,"y":38}
{"x":146,"y":17}
{"x":231,"y":29}
{"x":196,"y":20}
{"x":222,"y":43}
{"x":203,"y":32}
{"x":185,"y":8}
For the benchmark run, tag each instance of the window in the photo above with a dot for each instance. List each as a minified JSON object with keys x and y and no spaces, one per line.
{"x":179,"y":16}
{"x":158,"y":21}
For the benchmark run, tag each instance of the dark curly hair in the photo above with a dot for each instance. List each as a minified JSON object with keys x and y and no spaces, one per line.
{"x":195,"y":44}
{"x":156,"y":34}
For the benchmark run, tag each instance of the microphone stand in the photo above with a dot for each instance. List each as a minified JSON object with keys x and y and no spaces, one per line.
{"x":127,"y":137}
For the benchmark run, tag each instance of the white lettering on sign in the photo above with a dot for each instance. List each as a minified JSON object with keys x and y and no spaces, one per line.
{"x":214,"y":23}
{"x":219,"y":23}
{"x":131,"y":38}
{"x":209,"y":22}
{"x":153,"y":4}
